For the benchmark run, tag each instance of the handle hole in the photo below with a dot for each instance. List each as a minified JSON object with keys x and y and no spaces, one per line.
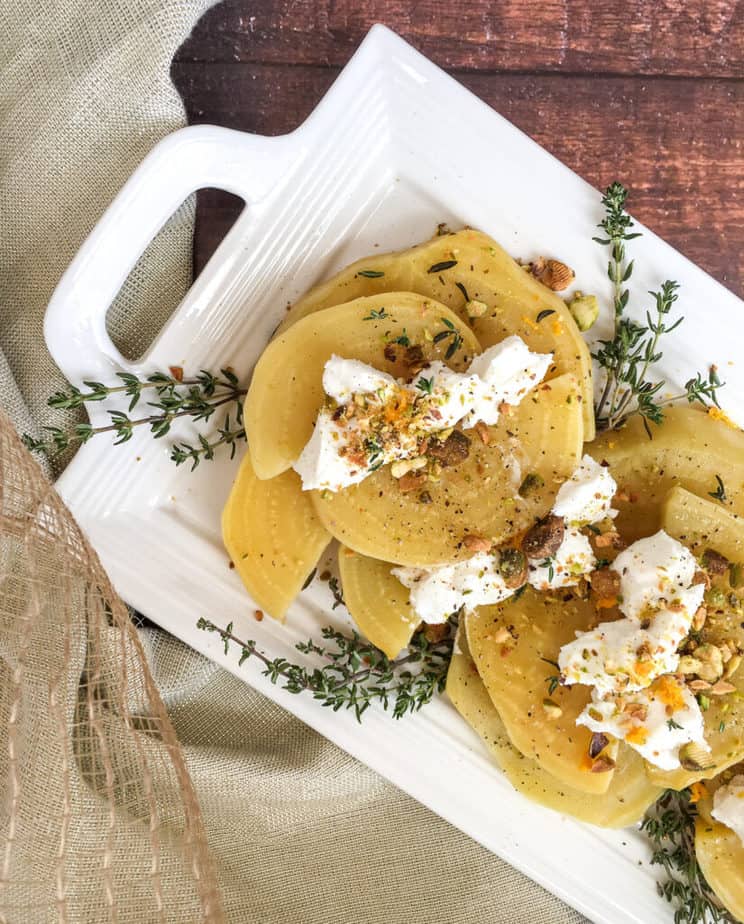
{"x":164,"y":273}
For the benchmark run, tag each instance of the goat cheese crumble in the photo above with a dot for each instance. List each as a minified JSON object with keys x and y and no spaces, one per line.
{"x":587,"y":495}
{"x":629,"y":663}
{"x":621,"y":655}
{"x":656,"y":721}
{"x":573,"y":559}
{"x":657,"y":569}
{"x":728,"y":806}
{"x":376,"y":419}
{"x":437,"y":593}
{"x":659,"y":602}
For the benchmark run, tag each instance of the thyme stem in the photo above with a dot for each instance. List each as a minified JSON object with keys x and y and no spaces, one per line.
{"x":198,"y":397}
{"x":628,"y":357}
{"x":356,"y":673}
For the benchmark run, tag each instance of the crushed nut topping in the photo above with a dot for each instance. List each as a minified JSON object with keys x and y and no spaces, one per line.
{"x":455,"y":449}
{"x":552,"y":273}
{"x":544,"y":538}
{"x":714,"y":563}
{"x":474,"y":543}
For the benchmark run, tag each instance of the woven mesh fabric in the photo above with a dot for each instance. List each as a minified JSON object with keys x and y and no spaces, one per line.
{"x":139,"y":782}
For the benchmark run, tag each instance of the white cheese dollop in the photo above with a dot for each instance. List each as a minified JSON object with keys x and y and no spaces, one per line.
{"x":510,"y":369}
{"x":728,"y":806}
{"x":437,"y":593}
{"x":621,"y":655}
{"x":656,"y":569}
{"x":440,"y":399}
{"x":343,"y":378}
{"x":628,"y":654}
{"x":587,"y":495}
{"x":656,"y":722}
{"x":573,"y":559}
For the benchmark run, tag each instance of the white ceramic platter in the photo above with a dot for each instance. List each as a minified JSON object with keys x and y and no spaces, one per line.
{"x":394,"y":148}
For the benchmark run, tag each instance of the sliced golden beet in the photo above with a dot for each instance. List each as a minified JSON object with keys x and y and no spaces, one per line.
{"x":482,"y":272}
{"x":688,"y":450}
{"x":720,"y":854}
{"x":286,"y":391}
{"x":479,"y":496}
{"x":377,"y":601}
{"x":704,"y":524}
{"x":511,"y":644}
{"x":273,"y":536}
{"x":629,"y":793}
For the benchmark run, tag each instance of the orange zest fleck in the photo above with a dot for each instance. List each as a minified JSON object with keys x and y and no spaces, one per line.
{"x":637,"y":735}
{"x":529,"y":322}
{"x":606,"y":603}
{"x":669,"y":692}
{"x":697,"y":792}
{"x":717,"y":414}
{"x":643,"y":668}
{"x":586,"y":763}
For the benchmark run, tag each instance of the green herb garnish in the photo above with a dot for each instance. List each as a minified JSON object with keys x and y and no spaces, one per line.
{"x":545,"y":314}
{"x":425,"y":385}
{"x":549,"y":563}
{"x":464,"y":291}
{"x":175,"y":396}
{"x":720,"y":492}
{"x":670,"y":826}
{"x":440,"y":267}
{"x":376,"y":315}
{"x":370,"y":274}
{"x":554,"y":680}
{"x":354,"y":673}
{"x":403,"y":339}
{"x":671,"y":724}
{"x":338,"y":597}
{"x":453,"y":334}
{"x":629,"y":356}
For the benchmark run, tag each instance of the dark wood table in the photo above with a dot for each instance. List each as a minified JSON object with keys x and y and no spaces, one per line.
{"x":650,"y":92}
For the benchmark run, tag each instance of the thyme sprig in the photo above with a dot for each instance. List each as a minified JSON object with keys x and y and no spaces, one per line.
{"x":174,"y":397}
{"x":355,"y":674}
{"x":633,"y":350}
{"x":670,"y":826}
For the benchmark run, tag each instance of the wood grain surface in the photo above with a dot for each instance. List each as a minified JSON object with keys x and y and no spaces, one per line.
{"x":650,"y":92}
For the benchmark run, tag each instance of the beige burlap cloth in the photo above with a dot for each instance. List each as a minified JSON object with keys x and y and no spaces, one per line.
{"x":104,"y":816}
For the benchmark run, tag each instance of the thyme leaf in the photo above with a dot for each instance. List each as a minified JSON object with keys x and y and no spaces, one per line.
{"x":440,"y":267}
{"x":370,"y":274}
{"x":720,"y":492}
{"x":376,"y":314}
{"x":464,"y":291}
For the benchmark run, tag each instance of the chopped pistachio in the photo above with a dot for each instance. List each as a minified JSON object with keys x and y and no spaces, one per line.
{"x":736,"y":575}
{"x":584,"y":310}
{"x":711,"y":663}
{"x":475,"y":308}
